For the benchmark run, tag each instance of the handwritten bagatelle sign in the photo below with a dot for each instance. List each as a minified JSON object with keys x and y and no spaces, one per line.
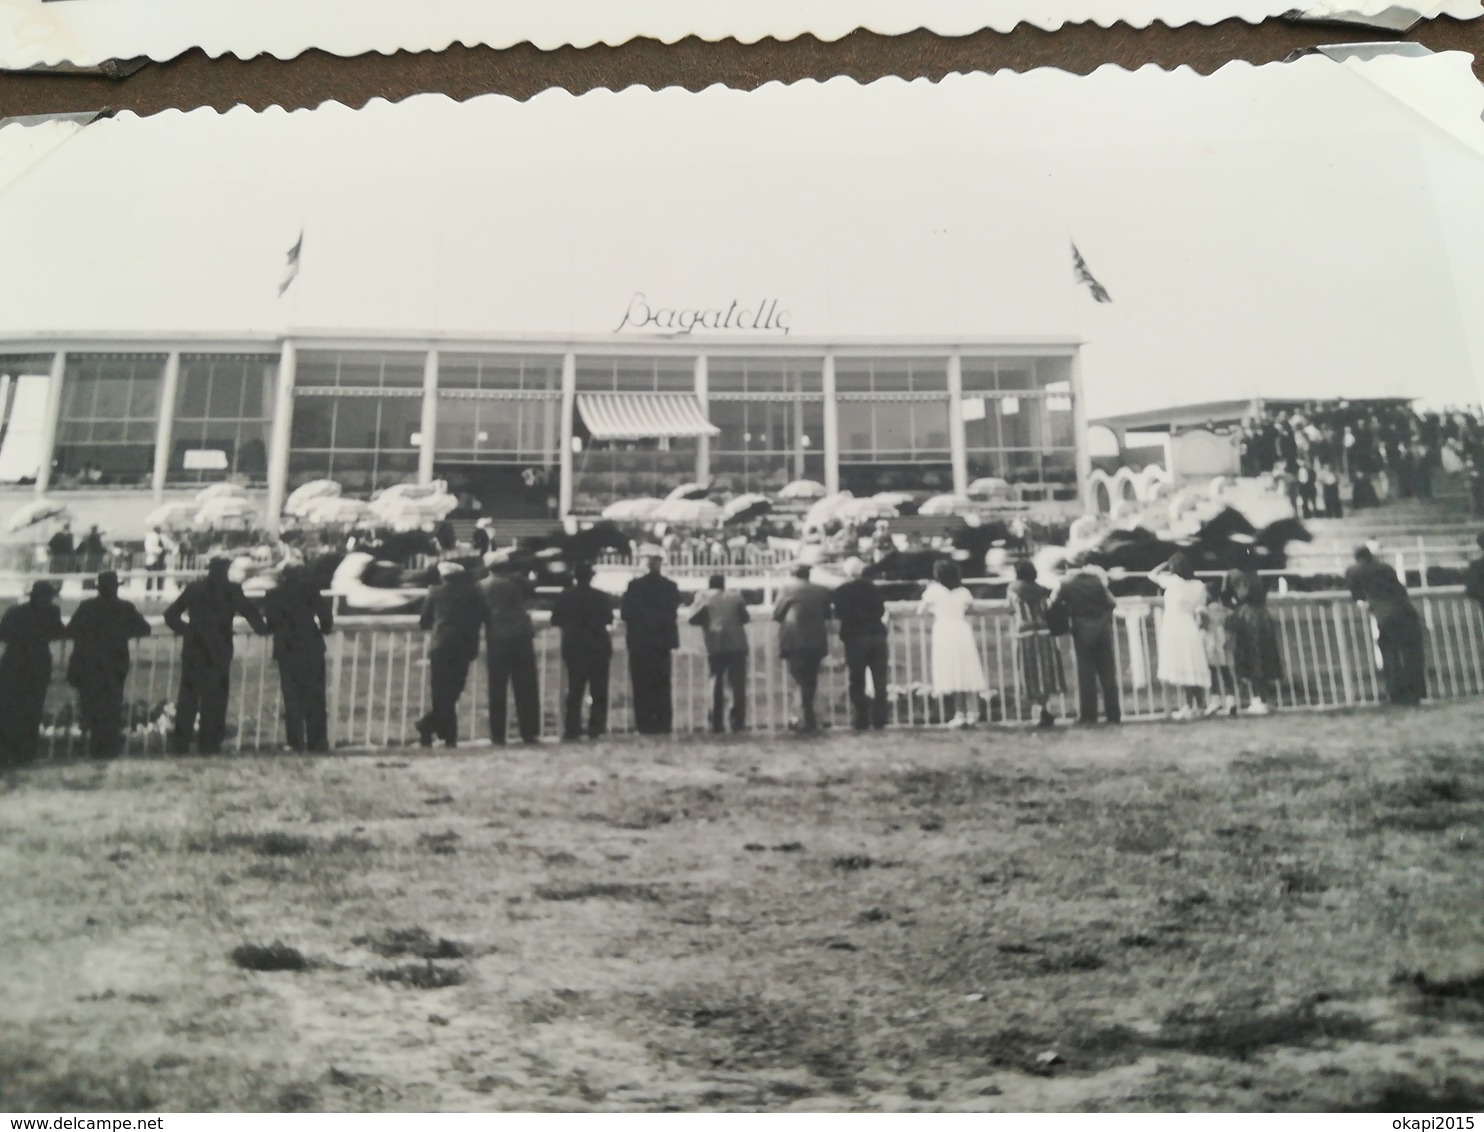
{"x":764,"y":316}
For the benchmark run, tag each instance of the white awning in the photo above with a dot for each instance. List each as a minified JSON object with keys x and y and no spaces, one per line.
{"x":643,"y":416}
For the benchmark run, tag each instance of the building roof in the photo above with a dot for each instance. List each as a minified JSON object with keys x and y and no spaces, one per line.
{"x":1217,"y":412}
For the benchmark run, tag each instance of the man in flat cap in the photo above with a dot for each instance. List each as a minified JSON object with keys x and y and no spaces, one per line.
{"x":100,"y":631}
{"x":203,"y":615}
{"x":650,"y":606}
{"x":26,"y":631}
{"x":510,"y":649}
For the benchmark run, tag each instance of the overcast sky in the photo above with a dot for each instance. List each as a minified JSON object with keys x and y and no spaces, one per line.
{"x":1275,"y":230}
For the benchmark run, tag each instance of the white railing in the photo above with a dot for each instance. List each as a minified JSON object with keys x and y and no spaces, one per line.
{"x":377,"y":675}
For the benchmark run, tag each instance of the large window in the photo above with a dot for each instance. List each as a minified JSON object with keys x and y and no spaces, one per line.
{"x":636,"y":375}
{"x":223,"y":411}
{"x":357,"y":419}
{"x":771,"y":415}
{"x":1018,"y":423}
{"x":499,"y":409}
{"x":24,"y":379}
{"x":108,"y":419}
{"x":893,"y":410}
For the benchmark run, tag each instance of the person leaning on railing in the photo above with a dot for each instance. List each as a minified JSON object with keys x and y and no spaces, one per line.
{"x":27,"y":631}
{"x":1400,"y":633}
{"x":203,"y":615}
{"x":584,"y":614}
{"x":510,"y":649}
{"x":454,"y":611}
{"x":1083,"y":606}
{"x":861,"y":613}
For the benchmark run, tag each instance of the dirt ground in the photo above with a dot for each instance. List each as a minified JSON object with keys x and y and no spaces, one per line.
{"x":1235,"y":915}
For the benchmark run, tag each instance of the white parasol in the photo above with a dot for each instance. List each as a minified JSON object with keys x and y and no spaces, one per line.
{"x":181,"y":513}
{"x":39,"y":511}
{"x":744,"y":507}
{"x":333,"y":510}
{"x":803,"y":489}
{"x":689,"y":512}
{"x":411,"y":491}
{"x":689,"y":491}
{"x":225,"y":490}
{"x":225,"y":510}
{"x":824,"y":509}
{"x":946,"y":505}
{"x":631,"y":510}
{"x":856,"y":510}
{"x":988,"y":486}
{"x":297,"y":504}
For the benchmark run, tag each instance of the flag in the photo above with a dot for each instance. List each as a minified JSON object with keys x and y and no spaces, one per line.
{"x":291,"y":272}
{"x":1079,"y":269}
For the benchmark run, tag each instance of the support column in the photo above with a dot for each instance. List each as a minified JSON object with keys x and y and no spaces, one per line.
{"x":428,"y":432}
{"x":703,"y":443}
{"x":831,"y":427}
{"x":278,"y":437}
{"x":49,"y":423}
{"x":569,"y":413}
{"x":1079,"y":431}
{"x":957,"y":448}
{"x":168,"y":387}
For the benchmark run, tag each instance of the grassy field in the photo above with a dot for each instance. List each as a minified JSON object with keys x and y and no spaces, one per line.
{"x":1236,"y":915}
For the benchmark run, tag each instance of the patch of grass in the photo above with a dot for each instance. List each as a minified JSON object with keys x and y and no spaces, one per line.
{"x":415,"y":941}
{"x":420,"y":976}
{"x":33,"y":1080}
{"x":277,"y":843}
{"x":854,"y":863}
{"x":1238,"y":1032}
{"x":600,"y":890}
{"x":275,"y":956}
{"x":1408,"y":1094}
{"x":444,"y":844}
{"x":752,"y":1032}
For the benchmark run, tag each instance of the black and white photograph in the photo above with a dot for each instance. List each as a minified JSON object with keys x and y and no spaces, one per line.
{"x":892,"y":597}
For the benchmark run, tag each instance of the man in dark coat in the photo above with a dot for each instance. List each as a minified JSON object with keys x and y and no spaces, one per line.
{"x":861,"y":613}
{"x":91,"y":550}
{"x":1401,"y":637}
{"x":802,"y":613}
{"x":100,"y":631}
{"x":510,"y":650}
{"x":584,"y":614}
{"x":722,"y":615}
{"x":454,"y":611}
{"x":203,"y":615}
{"x":26,"y":631}
{"x":61,"y":550}
{"x":1085,"y":605}
{"x":299,"y":618}
{"x":650,"y":606}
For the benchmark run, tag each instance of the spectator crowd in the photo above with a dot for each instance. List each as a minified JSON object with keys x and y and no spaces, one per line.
{"x":1333,"y":454}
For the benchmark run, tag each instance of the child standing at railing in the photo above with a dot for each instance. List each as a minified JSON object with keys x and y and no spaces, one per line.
{"x":1254,"y":635}
{"x":1223,"y":692}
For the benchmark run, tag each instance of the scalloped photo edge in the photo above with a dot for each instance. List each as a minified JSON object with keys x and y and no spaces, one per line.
{"x":94,"y":34}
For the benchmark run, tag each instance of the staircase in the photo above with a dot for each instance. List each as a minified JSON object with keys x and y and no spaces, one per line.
{"x":1424,"y":532}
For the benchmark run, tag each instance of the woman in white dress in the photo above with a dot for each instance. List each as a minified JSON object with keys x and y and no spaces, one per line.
{"x":958,"y":673}
{"x":1182,"y":645}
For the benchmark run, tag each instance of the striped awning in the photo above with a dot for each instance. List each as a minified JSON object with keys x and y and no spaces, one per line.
{"x":643,"y":416}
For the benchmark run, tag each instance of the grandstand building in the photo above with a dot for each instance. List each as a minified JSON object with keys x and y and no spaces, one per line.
{"x":537,"y":428}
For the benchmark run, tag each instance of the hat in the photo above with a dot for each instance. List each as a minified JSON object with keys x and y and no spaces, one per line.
{"x":852,"y":567}
{"x":445,"y":569}
{"x":485,"y":522}
{"x":43,"y":587}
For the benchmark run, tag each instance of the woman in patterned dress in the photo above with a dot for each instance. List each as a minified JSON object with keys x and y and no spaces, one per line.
{"x":1035,"y":647}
